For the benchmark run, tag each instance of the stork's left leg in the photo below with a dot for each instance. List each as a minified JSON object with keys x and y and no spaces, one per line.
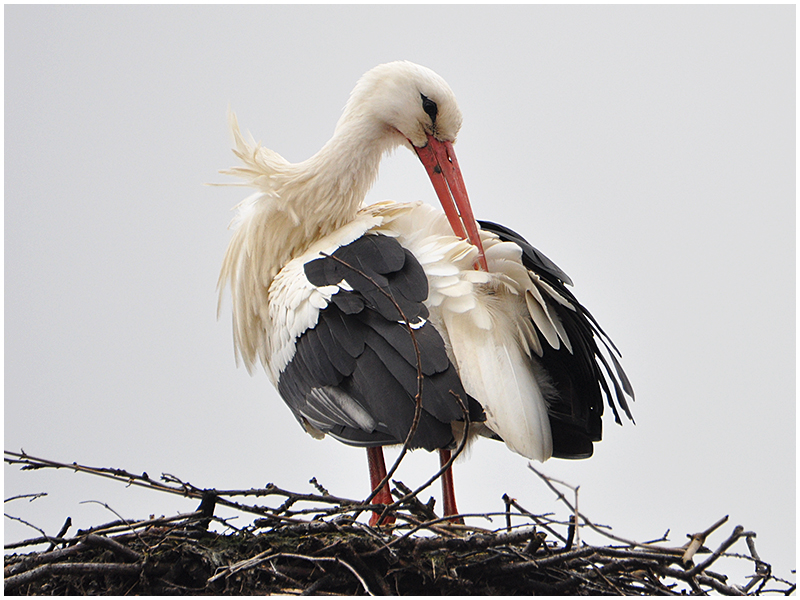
{"x":448,"y":490}
{"x":377,"y":471}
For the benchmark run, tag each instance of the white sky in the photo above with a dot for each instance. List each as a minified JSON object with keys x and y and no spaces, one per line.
{"x":649,"y":151}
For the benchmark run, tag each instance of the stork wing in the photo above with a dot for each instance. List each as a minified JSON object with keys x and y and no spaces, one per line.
{"x":580,"y":371}
{"x":354,"y":374}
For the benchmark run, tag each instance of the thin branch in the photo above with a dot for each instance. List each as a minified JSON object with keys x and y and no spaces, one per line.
{"x":269,"y":555}
{"x":44,"y":538}
{"x":337,"y":560}
{"x":34,"y":560}
{"x":417,"y":397}
{"x":242,"y":565}
{"x":30,"y":497}
{"x":538,"y":519}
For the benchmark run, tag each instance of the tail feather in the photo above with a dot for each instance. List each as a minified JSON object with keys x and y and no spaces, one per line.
{"x":499,"y":375}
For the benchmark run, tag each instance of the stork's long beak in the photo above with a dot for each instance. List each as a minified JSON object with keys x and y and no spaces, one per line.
{"x":442,"y":167}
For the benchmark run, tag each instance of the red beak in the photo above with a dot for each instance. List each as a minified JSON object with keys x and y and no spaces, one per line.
{"x":442,"y":167}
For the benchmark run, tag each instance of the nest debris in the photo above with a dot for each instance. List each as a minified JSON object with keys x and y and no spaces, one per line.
{"x":314,"y":544}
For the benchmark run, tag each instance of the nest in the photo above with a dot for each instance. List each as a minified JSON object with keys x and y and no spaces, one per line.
{"x":315,"y":544}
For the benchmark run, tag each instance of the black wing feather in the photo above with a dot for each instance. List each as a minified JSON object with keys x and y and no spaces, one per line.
{"x":347,"y":333}
{"x":339,"y":357}
{"x":436,"y":398}
{"x":318,"y":365}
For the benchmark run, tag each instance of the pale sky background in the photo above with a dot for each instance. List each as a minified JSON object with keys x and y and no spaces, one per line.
{"x":649,"y":151}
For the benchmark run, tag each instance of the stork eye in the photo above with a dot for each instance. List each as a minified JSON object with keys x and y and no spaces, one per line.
{"x":429,"y":106}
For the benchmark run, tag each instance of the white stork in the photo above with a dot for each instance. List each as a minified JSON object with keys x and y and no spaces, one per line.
{"x":317,"y":277}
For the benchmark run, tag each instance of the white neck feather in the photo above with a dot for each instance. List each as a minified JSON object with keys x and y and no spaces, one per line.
{"x":295,"y":205}
{"x":302,"y":202}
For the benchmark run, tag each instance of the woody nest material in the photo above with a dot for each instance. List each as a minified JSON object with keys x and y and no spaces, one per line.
{"x":323,"y":549}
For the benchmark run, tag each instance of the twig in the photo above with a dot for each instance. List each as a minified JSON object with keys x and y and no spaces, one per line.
{"x":185,"y":489}
{"x":330,"y":559}
{"x":538,"y":519}
{"x":44,"y":538}
{"x":601,"y":574}
{"x":33,"y":560}
{"x":243,"y":565}
{"x":34,"y":542}
{"x":763,"y":570}
{"x":701,"y":579}
{"x":430,"y":525}
{"x":475,"y":542}
{"x":572,"y":533}
{"x":417,"y":407}
{"x":32,"y":462}
{"x":30,"y":497}
{"x":313,"y":481}
{"x":414,"y":503}
{"x":124,"y":525}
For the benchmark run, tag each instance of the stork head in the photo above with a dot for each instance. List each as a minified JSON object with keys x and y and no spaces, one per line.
{"x":404,"y":103}
{"x":407,"y":101}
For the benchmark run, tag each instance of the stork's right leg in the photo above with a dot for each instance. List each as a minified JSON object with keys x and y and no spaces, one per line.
{"x":377,"y":471}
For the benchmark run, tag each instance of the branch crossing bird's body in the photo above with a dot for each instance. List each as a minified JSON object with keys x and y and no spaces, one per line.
{"x":325,"y":289}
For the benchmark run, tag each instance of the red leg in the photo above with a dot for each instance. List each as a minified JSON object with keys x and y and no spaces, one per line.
{"x":448,"y":490}
{"x":377,"y":471}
